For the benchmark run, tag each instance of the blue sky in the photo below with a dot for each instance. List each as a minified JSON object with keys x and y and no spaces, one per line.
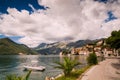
{"x":111,"y":16}
{"x":19,"y":5}
{"x":14,"y":38}
{"x":63,"y":20}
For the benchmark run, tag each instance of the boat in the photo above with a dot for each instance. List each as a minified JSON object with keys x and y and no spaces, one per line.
{"x":34,"y":68}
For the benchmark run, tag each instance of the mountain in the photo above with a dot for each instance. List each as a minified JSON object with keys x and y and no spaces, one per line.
{"x":7,"y":46}
{"x":42,"y":45}
{"x":80,"y":43}
{"x":56,"y":48}
{"x":53,"y":48}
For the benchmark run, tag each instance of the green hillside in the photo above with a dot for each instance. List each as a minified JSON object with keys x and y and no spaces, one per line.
{"x":7,"y":47}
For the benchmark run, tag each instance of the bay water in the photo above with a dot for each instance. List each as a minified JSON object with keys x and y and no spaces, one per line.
{"x":13,"y":64}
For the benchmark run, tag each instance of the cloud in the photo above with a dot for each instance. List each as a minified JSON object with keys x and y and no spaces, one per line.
{"x":63,"y":20}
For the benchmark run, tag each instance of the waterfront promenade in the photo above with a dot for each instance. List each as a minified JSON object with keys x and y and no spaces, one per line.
{"x":108,"y":69}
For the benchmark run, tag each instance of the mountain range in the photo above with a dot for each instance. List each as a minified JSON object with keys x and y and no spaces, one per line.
{"x":7,"y":46}
{"x":56,"y":48}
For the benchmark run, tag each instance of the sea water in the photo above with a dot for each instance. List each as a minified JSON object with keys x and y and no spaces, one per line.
{"x":13,"y":64}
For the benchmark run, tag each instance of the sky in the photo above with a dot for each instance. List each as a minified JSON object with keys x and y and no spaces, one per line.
{"x":32,"y":22}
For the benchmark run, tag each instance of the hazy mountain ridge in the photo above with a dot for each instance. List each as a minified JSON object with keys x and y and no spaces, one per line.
{"x":7,"y":46}
{"x":52,"y":48}
{"x":80,"y":43}
{"x":56,"y":48}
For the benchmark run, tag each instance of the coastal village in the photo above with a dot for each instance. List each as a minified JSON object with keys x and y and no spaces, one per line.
{"x":100,"y":48}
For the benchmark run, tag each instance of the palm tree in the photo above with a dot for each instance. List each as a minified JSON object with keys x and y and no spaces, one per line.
{"x":67,"y":65}
{"x":15,"y":77}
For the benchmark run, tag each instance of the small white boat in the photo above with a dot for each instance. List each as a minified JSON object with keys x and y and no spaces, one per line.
{"x":35,"y":68}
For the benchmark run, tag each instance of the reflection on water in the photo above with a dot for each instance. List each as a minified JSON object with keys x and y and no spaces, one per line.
{"x":13,"y":64}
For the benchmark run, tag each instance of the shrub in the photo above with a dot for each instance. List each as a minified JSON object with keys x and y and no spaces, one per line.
{"x":92,"y":59}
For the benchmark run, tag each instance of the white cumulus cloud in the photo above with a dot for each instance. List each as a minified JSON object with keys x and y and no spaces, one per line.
{"x":63,"y":20}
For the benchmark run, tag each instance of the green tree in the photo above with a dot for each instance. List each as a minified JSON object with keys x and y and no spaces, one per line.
{"x":114,"y":40}
{"x":15,"y":77}
{"x":67,"y":65}
{"x":92,"y":59}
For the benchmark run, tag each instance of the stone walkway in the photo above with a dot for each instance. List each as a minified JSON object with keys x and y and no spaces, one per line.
{"x":106,"y":70}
